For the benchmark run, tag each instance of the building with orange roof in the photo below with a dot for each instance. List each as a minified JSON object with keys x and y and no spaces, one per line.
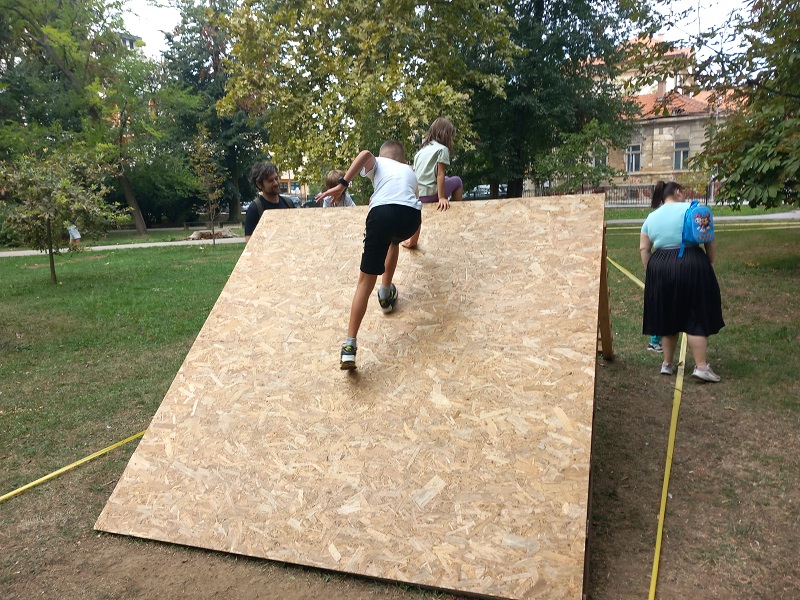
{"x":670,"y":130}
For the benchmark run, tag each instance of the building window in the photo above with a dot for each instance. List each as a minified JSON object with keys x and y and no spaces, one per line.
{"x":633,"y":158}
{"x":681,"y":155}
{"x":600,"y":156}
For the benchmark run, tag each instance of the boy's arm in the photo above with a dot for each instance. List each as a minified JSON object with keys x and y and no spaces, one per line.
{"x":444,"y":202}
{"x":365,"y":160}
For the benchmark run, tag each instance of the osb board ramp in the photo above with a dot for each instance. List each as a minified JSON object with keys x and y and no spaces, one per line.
{"x":457,"y":456}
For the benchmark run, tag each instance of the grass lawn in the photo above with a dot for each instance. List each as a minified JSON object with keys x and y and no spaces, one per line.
{"x":86,"y":363}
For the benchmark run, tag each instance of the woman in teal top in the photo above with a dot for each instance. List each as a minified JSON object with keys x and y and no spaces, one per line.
{"x":680,"y":294}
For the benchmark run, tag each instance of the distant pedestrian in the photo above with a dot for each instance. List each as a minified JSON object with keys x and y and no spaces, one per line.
{"x":74,"y":237}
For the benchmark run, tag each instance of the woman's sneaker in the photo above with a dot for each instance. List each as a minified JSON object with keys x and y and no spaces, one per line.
{"x":348,"y":361}
{"x":387,"y":304}
{"x":706,"y":374}
{"x":666,"y":369}
{"x":655,"y":348}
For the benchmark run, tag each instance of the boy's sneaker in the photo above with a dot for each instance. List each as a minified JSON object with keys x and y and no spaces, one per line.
{"x":387,"y":304}
{"x":348,"y":361}
{"x":666,"y":369}
{"x":655,"y":348}
{"x":705,"y":374}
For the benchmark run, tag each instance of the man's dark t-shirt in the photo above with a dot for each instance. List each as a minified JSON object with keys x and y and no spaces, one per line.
{"x":252,"y":215}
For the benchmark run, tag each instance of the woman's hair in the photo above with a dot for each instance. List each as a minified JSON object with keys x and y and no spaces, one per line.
{"x":332,"y":178}
{"x":662,"y":191}
{"x":442,"y":131}
{"x":261,"y":171}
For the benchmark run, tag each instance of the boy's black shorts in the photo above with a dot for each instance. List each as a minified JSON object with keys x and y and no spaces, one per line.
{"x":386,"y":225}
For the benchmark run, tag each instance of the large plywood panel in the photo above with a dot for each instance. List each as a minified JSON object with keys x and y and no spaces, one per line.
{"x":456,"y":456}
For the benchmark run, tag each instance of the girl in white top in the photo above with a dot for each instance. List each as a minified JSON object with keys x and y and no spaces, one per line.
{"x":430,"y":166}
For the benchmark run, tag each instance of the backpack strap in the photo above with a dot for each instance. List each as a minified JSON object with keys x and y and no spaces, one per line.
{"x":261,"y":206}
{"x":686,"y":216}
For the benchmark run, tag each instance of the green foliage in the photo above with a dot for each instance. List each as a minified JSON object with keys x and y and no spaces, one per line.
{"x":571,"y":166}
{"x":195,"y":64}
{"x":755,"y":150}
{"x":563,"y":81}
{"x":47,"y":194}
{"x":331,"y":79}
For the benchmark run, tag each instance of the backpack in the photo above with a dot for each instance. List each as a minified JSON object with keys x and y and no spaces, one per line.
{"x":698,"y":226}
{"x":260,"y":203}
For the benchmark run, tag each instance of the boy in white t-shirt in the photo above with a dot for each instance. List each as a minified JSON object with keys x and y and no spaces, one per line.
{"x":394,"y":215}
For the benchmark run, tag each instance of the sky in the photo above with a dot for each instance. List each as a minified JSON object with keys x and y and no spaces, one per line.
{"x":146,"y":21}
{"x":702,"y":15}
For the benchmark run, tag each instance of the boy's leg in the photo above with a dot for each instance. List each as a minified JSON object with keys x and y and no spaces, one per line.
{"x":364,"y":287}
{"x":412,"y":241}
{"x":390,"y":265}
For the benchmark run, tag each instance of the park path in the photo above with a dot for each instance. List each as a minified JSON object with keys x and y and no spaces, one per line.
{"x":793,"y":215}
{"x":236,"y":240}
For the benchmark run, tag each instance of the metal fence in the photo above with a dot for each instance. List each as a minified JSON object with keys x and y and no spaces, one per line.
{"x":634,"y":195}
{"x":628,"y":195}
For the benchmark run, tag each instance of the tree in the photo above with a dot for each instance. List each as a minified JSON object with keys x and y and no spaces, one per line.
{"x":195,"y":63}
{"x":332,"y":78}
{"x":755,"y":149}
{"x":44,"y":194}
{"x":206,"y":167}
{"x":580,"y":159}
{"x":69,"y":78}
{"x":572,"y":51}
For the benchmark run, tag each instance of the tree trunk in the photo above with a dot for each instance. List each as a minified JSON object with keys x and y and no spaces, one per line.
{"x":130,"y":198}
{"x":514,"y":188}
{"x":494,"y":189}
{"x":53,"y":278}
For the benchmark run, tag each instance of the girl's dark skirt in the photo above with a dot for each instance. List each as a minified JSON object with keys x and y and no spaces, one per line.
{"x":681,"y":294}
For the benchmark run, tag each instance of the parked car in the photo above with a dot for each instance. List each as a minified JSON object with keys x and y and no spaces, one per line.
{"x":479,"y":192}
{"x":484,"y":192}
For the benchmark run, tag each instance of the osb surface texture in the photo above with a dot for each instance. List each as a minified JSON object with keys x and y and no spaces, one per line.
{"x":456,"y":456}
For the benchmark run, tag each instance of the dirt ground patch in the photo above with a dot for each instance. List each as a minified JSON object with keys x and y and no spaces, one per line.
{"x":734,"y":507}
{"x":733,"y":516}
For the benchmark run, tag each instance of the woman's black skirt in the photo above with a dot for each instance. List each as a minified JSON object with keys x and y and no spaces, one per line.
{"x":681,"y":294}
